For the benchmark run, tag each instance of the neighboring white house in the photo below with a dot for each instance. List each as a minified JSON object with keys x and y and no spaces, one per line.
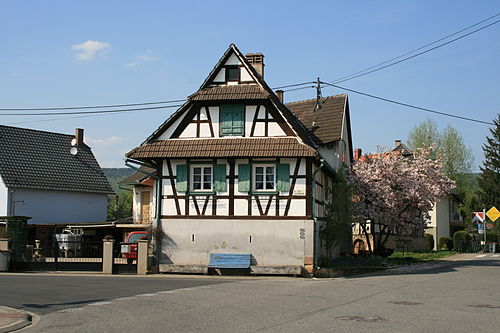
{"x":243,"y":173}
{"x":445,"y":219}
{"x":42,"y":179}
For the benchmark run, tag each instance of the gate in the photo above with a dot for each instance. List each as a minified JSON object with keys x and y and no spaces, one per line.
{"x":54,"y":255}
{"x":125,"y":258}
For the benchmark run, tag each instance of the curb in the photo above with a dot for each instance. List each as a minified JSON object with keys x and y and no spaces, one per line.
{"x":23,"y":319}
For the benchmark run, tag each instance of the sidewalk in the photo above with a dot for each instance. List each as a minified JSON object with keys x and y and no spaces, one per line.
{"x":13,"y":319}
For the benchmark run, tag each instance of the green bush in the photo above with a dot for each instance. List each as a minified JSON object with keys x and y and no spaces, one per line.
{"x":446,"y":243}
{"x":429,"y":246}
{"x":490,"y":237}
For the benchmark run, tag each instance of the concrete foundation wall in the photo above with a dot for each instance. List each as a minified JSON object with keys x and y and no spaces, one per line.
{"x":58,"y":206}
{"x":271,"y":242}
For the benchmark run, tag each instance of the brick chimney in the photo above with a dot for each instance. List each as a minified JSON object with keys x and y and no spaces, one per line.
{"x":357,"y":154}
{"x":280,"y":94}
{"x":397,"y":143}
{"x":79,"y":137}
{"x":257,"y":61}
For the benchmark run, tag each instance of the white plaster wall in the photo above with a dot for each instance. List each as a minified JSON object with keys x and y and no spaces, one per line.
{"x":4,"y":198}
{"x":59,"y":206}
{"x":440,"y":221}
{"x":245,"y":75}
{"x":221,"y":75}
{"x":232,"y":60}
{"x":170,"y":130}
{"x":273,"y":242}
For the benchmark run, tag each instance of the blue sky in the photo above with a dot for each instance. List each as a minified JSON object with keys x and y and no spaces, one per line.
{"x":67,"y":53}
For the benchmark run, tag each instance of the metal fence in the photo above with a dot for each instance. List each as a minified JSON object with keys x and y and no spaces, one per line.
{"x":64,"y":251}
{"x":468,"y":247}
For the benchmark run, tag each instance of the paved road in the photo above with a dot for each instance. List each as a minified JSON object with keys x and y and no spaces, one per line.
{"x":45,"y":293}
{"x":462,"y":295}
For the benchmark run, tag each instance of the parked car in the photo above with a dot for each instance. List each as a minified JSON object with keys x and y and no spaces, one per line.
{"x":129,"y":248}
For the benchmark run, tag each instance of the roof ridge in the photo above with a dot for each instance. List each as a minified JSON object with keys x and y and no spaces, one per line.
{"x":314,"y":99}
{"x":36,"y":130}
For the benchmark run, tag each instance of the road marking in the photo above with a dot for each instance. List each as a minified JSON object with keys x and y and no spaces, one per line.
{"x":167,"y":291}
{"x":70,"y":310}
{"x":186,"y":289}
{"x":124,"y":298}
{"x":99,"y":303}
{"x":481,"y":255}
{"x":146,"y":295}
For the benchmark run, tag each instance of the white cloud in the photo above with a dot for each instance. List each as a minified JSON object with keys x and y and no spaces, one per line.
{"x":89,"y":49}
{"x":147,"y":56}
{"x":103,"y":142}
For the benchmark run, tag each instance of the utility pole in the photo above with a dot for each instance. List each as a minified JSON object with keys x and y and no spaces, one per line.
{"x":318,"y":95}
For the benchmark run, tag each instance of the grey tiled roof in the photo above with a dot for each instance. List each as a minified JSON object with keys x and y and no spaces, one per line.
{"x":324,"y":124}
{"x":41,"y":160}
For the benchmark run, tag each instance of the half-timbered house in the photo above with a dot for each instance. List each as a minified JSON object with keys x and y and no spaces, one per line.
{"x":240,"y":172}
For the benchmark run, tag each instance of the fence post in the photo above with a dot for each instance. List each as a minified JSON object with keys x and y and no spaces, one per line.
{"x":142,"y":256}
{"x":107,"y":256}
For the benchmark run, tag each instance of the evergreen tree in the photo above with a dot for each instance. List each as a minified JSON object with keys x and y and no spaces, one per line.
{"x":489,"y":178}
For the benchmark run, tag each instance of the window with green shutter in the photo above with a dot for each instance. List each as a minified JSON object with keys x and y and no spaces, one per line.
{"x":244,"y":177}
{"x":232,"y":119}
{"x":220,"y":184}
{"x":181,"y":183}
{"x":283,"y":177}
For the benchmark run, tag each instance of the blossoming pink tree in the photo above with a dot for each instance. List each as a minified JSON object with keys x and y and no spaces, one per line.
{"x":397,"y":193}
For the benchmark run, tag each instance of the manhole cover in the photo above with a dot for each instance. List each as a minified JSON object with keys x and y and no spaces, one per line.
{"x":405,"y":303}
{"x":485,"y":306}
{"x":361,"y":319}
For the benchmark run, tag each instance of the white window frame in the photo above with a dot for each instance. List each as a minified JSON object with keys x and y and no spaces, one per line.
{"x":254,"y":177}
{"x":201,"y":181}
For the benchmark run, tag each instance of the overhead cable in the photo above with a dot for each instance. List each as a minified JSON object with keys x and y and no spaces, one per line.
{"x":408,"y":105}
{"x":367,"y":71}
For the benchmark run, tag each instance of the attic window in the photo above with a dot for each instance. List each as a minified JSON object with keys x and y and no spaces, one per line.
{"x":232,"y":73}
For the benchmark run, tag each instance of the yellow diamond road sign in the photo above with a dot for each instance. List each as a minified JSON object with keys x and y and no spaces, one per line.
{"x":493,"y":214}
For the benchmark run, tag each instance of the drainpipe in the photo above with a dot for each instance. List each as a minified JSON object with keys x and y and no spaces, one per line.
{"x":158,"y":201}
{"x":315,"y":218}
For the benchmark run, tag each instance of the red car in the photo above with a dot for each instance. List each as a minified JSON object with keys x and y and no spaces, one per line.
{"x":129,"y":248}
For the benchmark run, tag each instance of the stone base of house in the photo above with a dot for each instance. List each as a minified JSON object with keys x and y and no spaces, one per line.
{"x":254,"y":270}
{"x":276,"y":270}
{"x":192,"y":269}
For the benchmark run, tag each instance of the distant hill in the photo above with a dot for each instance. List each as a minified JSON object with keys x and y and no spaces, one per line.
{"x":115,"y":175}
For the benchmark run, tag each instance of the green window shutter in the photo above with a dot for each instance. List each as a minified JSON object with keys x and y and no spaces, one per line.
{"x":244,"y":177}
{"x":220,"y":184}
{"x":181,"y":184}
{"x":283,"y":177}
{"x":232,"y":119}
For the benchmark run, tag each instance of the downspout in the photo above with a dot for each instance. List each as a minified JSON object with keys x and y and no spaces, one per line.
{"x":315,"y":218}
{"x":158,"y":201}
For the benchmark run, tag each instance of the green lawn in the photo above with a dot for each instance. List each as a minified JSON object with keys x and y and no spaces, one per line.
{"x":413,"y":257}
{"x":397,"y":258}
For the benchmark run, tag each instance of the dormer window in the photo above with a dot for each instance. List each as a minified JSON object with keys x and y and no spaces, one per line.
{"x":232,"y":73}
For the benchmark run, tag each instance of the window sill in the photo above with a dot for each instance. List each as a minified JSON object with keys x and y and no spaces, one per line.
{"x":201,"y":193}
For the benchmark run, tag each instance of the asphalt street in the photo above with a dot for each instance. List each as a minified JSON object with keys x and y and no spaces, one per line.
{"x":458,"y":295}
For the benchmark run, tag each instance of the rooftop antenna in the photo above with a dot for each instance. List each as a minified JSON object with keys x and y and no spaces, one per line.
{"x":318,"y":95}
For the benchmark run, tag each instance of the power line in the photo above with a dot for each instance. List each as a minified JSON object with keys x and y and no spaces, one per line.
{"x":293,"y":85}
{"x":408,"y":105}
{"x":91,"y":107}
{"x":364,"y":72}
{"x":89,"y":112}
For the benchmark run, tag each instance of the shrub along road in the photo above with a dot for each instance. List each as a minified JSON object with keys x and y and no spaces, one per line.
{"x":460,"y":294}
